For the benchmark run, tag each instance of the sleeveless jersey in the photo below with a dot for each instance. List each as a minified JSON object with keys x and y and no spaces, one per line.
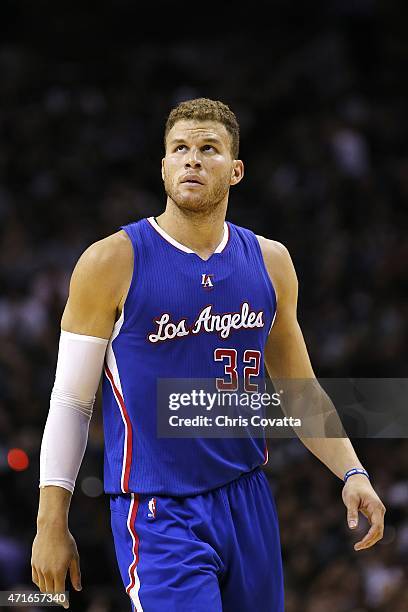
{"x":180,"y":315}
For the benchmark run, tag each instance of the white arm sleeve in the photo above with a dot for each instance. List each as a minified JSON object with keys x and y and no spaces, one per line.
{"x":79,"y":368}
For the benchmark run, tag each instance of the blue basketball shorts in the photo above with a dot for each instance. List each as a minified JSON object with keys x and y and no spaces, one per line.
{"x":218,"y":551}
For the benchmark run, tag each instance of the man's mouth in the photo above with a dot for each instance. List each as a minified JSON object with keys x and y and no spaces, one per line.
{"x":192,"y":180}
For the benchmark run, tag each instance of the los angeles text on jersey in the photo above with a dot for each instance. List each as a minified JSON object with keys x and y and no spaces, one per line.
{"x":207,"y":321}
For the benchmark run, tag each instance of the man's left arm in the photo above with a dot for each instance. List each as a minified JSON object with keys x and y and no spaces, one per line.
{"x":286,"y":357}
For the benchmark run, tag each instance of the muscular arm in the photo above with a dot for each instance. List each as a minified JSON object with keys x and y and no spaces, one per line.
{"x":286,"y":356}
{"x":97,"y":291}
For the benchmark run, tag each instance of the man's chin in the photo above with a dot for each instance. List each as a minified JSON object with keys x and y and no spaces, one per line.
{"x":193,"y":204}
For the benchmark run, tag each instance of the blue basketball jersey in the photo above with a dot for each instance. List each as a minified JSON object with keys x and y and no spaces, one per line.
{"x":183,"y":317}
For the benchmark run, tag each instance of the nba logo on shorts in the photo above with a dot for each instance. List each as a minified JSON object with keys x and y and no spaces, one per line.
{"x":152,"y":508}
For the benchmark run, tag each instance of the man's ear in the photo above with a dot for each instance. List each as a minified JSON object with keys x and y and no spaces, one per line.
{"x":162,"y":168}
{"x":237,"y":173}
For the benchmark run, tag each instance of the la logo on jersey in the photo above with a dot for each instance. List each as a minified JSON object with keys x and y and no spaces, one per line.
{"x":152,"y":508}
{"x":206,"y":281}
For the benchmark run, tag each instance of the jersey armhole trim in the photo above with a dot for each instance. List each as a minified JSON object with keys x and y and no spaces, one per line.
{"x":121,"y":321}
{"x":268,"y":281}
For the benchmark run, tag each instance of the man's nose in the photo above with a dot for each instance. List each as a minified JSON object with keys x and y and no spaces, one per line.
{"x":193,"y":159}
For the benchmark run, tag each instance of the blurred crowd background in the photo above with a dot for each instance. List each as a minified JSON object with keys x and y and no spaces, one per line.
{"x":321,"y":96}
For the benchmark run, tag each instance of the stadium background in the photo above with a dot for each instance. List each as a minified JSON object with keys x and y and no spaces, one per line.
{"x":321,"y":96}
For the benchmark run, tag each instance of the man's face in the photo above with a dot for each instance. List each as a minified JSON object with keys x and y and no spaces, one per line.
{"x":198,"y":168}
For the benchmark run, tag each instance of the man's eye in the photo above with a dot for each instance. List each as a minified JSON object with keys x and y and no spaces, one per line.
{"x":207,"y":147}
{"x":179,"y":147}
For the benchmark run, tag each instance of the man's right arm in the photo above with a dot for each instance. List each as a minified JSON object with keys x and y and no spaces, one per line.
{"x":98,"y":288}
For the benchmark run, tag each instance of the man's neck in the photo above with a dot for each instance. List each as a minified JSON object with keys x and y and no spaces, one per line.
{"x":200,"y":233}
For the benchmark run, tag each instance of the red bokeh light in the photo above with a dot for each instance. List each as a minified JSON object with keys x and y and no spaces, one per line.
{"x":17,"y":459}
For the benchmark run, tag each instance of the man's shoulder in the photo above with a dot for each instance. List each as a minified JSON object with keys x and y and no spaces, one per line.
{"x":112,"y":251}
{"x":278,"y":263}
{"x":106,"y":265}
{"x":274,"y":252}
{"x":270,"y":248}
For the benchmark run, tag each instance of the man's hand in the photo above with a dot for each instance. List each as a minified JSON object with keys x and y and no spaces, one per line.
{"x":54,"y":552}
{"x":359,"y":496}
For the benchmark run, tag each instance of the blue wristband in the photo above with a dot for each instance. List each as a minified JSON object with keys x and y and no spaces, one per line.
{"x":355,"y":471}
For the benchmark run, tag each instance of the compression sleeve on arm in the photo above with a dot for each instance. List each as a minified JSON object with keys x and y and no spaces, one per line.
{"x":79,"y":368}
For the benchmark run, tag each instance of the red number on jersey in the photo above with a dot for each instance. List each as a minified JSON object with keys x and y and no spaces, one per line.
{"x":230,"y":369}
{"x":252,"y":370}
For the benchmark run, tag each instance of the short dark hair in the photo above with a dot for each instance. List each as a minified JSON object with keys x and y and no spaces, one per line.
{"x":204,"y":109}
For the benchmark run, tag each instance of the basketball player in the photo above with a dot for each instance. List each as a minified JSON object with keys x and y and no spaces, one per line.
{"x":194,"y":522}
